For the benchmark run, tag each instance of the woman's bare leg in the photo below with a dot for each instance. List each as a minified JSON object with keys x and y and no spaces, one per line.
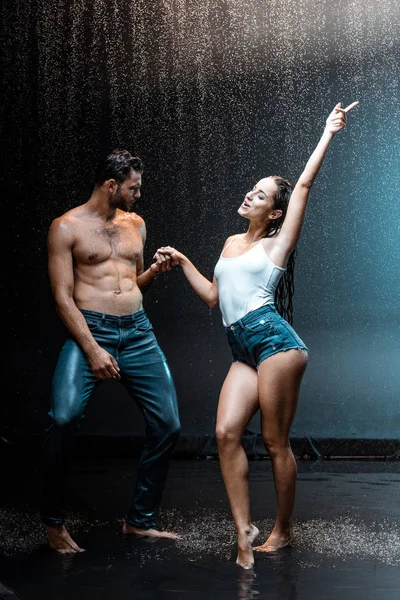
{"x":237,"y":404}
{"x":279,"y":379}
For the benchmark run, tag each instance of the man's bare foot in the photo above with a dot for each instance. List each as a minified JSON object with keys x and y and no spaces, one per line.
{"x":60,"y":540}
{"x":276,"y":541}
{"x":150,"y":533}
{"x":245,"y":558}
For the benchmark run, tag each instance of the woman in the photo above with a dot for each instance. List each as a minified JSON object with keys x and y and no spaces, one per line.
{"x":253,"y":285}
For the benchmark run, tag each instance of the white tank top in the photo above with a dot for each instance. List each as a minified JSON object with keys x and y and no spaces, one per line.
{"x":245,"y":282}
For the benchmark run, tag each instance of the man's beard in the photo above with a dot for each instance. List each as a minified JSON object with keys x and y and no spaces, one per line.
{"x":119,"y":201}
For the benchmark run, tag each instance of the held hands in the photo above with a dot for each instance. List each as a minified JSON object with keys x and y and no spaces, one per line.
{"x":167,"y":257}
{"x":337,"y":119}
{"x":162,"y":263}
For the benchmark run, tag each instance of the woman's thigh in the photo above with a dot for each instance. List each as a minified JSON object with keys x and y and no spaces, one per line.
{"x":279,"y":379}
{"x":238,"y":401}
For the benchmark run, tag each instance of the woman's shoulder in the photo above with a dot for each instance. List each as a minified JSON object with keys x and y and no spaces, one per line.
{"x":231,"y":238}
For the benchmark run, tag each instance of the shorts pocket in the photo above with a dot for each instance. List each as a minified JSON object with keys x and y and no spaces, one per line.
{"x":260,"y":325}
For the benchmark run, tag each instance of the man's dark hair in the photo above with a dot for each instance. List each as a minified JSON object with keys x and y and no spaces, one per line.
{"x":117,"y":165}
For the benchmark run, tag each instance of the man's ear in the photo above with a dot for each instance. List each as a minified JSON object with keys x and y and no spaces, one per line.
{"x":111,"y":185}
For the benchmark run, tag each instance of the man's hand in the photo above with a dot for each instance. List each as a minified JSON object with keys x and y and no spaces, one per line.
{"x":174,"y":256}
{"x":103,"y":364}
{"x":164,"y":260}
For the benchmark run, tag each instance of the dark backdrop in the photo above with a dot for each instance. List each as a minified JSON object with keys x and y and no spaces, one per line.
{"x":213,"y":95}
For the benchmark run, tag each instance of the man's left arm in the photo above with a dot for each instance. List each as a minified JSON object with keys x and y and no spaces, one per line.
{"x":161,"y":264}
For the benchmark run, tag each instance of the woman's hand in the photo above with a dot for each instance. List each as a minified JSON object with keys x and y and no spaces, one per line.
{"x":207,"y":290}
{"x":169,"y":253}
{"x":337,"y":119}
{"x":162,"y":263}
{"x":291,"y":228}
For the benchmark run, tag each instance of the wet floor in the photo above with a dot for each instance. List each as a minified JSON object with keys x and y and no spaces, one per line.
{"x":346,"y":524}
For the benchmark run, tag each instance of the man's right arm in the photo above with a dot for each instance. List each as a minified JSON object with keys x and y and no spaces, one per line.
{"x":61,"y":272}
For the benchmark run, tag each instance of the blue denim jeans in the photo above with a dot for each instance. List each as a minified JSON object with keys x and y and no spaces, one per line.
{"x":145,"y":374}
{"x":260,"y":334}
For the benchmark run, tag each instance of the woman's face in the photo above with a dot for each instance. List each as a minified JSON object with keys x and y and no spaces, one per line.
{"x":258,"y":203}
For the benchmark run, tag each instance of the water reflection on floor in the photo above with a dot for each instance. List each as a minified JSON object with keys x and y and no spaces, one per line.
{"x":347,"y":531}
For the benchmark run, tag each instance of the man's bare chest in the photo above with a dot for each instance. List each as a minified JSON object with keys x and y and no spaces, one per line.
{"x":96,"y":245}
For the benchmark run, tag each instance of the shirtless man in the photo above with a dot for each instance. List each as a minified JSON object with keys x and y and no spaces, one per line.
{"x":97,"y":278}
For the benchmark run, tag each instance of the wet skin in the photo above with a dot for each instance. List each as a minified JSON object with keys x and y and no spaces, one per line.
{"x":95,"y":255}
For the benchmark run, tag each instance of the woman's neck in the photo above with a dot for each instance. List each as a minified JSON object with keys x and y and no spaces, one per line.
{"x":255,"y":233}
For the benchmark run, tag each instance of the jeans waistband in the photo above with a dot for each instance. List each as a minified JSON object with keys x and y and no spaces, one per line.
{"x":252,"y":316}
{"x":121,"y":321}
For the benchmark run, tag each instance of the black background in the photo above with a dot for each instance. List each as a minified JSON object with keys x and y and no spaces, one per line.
{"x":213,"y":95}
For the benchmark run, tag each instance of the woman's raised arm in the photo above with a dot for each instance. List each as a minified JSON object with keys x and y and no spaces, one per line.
{"x":291,"y":228}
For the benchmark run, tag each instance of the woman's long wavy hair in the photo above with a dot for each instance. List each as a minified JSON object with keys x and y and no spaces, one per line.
{"x":285,"y":290}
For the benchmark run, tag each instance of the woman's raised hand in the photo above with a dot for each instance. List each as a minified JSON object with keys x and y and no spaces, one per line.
{"x":337,"y":119}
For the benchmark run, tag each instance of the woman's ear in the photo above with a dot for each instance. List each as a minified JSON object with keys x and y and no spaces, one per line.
{"x":275,"y":214}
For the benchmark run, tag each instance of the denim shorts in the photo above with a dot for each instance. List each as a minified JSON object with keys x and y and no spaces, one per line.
{"x":260,"y":334}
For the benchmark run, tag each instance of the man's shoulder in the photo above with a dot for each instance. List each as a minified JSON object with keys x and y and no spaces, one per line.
{"x":67,"y":221}
{"x":132,"y":218}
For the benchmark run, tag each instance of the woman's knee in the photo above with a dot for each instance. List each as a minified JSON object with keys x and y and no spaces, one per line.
{"x":226,"y":435}
{"x":276,"y":445}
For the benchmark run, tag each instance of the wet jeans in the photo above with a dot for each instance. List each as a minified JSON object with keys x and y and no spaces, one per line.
{"x":145,"y":374}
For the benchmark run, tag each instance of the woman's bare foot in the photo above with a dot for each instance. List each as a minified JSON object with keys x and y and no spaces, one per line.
{"x":245,"y":558}
{"x":253,"y":533}
{"x":276,"y":541}
{"x":60,"y":540}
{"x":151,"y":533}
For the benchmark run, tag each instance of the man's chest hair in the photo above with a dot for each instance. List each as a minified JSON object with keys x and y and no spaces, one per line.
{"x":100,"y":243}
